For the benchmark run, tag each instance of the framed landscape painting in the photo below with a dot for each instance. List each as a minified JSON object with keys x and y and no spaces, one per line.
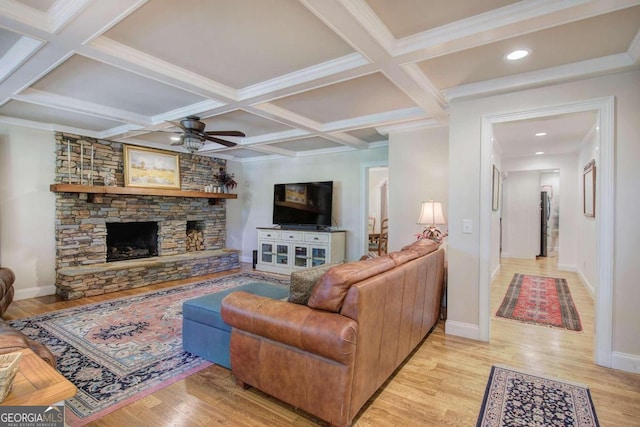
{"x":150,"y":168}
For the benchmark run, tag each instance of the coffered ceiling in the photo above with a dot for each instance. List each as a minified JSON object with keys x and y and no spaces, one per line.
{"x":297,"y":77}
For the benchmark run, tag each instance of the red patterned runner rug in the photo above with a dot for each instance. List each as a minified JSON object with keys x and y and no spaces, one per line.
{"x":541,"y":301}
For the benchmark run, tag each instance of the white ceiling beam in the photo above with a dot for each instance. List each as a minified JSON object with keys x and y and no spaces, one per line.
{"x":151,"y":65}
{"x":329,"y":68}
{"x":286,"y":116}
{"x":386,"y":118}
{"x":17,"y":55}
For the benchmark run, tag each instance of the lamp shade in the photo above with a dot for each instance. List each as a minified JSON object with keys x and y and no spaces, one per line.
{"x":431,"y":213}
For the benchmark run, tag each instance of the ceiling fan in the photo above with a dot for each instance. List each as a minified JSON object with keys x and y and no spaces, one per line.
{"x":194,"y":136}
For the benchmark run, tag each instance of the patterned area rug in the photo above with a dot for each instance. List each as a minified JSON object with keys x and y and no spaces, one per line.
{"x":540,"y":300}
{"x":121,"y":350}
{"x":515,"y":398}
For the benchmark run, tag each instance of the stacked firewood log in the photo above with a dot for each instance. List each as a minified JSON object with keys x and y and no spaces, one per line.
{"x":195,"y":240}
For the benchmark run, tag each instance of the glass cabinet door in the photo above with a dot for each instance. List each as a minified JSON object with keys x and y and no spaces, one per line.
{"x":282,"y":254}
{"x":302,"y":253}
{"x":318,"y":256}
{"x":266,"y":253}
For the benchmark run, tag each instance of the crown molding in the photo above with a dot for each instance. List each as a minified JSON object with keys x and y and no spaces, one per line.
{"x":17,"y":55}
{"x":325,"y":69}
{"x":118,"y":50}
{"x":582,"y":69}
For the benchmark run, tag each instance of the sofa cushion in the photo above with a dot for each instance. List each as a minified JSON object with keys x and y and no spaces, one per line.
{"x":422,"y":246}
{"x":331,"y":289}
{"x":303,"y":282}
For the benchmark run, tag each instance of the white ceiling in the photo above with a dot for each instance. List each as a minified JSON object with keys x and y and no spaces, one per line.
{"x":298,"y":77}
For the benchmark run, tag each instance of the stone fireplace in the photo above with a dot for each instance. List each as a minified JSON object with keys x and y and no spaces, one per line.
{"x":120,"y":241}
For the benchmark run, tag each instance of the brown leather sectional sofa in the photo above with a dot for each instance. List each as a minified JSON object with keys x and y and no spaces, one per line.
{"x":329,"y":357}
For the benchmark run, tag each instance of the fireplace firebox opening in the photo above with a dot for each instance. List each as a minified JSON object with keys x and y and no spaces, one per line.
{"x":131,"y":240}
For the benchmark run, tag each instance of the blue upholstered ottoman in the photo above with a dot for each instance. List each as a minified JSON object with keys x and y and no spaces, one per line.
{"x":204,"y":333}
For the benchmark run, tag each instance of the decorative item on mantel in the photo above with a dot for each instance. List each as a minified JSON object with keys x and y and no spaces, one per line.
{"x":226,"y":180}
{"x":431,"y":215}
{"x":80,"y":169}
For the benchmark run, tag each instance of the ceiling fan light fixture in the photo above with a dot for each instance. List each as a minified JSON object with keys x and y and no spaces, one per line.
{"x":192,"y":143}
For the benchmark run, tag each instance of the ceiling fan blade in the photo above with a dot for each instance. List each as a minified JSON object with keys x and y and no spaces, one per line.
{"x":225,"y":133}
{"x":179,"y":142}
{"x":220,"y":141}
{"x":178,"y":124}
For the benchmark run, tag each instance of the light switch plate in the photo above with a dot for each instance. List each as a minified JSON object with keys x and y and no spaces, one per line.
{"x":467,"y":226}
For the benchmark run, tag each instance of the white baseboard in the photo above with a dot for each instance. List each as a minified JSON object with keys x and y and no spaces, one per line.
{"x":460,"y":329}
{"x":247,"y":259}
{"x":587,"y":284}
{"x":33,"y":292}
{"x":567,"y":267}
{"x":625,"y":362}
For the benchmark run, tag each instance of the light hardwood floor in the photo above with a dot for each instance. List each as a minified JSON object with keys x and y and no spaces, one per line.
{"x":441,"y":384}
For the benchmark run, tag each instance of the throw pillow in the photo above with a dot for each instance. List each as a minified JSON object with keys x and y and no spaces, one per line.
{"x":303,"y":281}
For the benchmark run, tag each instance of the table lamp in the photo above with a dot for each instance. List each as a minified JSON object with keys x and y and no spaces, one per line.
{"x":431,"y":215}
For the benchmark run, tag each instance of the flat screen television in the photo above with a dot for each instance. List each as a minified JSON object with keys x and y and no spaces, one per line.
{"x":303,"y":204}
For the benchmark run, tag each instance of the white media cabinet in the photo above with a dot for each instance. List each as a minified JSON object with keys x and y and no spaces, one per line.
{"x":284,"y":251}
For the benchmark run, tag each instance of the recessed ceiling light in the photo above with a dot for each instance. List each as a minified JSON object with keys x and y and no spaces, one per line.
{"x":517,"y":54}
{"x":539,"y":152}
{"x":541,"y":134}
{"x":175,"y":138}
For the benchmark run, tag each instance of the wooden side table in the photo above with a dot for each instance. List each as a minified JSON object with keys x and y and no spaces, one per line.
{"x":37,"y":383}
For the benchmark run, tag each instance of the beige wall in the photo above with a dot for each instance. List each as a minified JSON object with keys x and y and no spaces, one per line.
{"x":27,"y":209}
{"x":464,"y":249}
{"x":418,"y":172}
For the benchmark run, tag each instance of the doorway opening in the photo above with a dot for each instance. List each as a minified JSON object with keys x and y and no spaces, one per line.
{"x":374,"y":201}
{"x":603,"y":296}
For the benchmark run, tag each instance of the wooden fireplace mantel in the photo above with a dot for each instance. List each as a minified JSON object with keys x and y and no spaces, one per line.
{"x":96,"y":190}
